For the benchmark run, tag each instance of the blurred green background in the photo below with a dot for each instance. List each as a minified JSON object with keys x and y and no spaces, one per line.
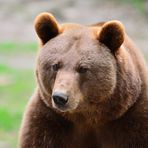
{"x":19,"y":45}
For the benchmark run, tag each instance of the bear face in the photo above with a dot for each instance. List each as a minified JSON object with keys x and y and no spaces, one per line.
{"x":77,"y":66}
{"x":74,"y":69}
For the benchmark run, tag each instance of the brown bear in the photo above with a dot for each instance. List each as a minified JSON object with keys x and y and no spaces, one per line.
{"x":92,"y":88}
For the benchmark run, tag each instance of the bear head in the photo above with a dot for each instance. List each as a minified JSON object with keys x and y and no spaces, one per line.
{"x":81,"y":70}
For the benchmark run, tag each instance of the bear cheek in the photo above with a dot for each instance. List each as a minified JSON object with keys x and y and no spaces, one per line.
{"x":99,"y":88}
{"x":46,"y":80}
{"x":105,"y":87}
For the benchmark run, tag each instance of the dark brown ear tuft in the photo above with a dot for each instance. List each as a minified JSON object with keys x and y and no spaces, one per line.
{"x":46,"y":27}
{"x":112,"y":35}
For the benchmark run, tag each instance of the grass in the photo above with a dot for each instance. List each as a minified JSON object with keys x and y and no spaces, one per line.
{"x":9,"y":47}
{"x":16,"y":87}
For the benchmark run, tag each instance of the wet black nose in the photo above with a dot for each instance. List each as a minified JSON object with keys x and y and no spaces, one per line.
{"x":60,"y":98}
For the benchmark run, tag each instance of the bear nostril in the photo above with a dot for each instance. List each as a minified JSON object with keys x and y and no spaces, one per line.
{"x":59,"y":98}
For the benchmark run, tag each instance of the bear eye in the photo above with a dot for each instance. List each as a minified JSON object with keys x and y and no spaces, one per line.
{"x":55,"y":67}
{"x":82,"y":69}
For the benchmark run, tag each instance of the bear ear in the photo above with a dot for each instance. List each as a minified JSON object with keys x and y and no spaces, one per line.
{"x":112,"y":35}
{"x":46,"y":27}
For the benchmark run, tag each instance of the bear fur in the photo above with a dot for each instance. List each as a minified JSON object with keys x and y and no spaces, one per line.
{"x":105,"y":78}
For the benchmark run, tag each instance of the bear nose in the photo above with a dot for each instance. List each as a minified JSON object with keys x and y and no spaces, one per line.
{"x":60,"y":98}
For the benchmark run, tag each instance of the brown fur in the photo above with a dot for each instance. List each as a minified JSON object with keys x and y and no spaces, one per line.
{"x":106,"y":79}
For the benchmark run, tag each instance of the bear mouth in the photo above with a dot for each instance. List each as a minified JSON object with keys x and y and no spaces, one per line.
{"x":65,"y":108}
{"x":61,"y":108}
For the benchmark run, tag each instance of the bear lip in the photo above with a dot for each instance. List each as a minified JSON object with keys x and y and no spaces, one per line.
{"x":61,"y":108}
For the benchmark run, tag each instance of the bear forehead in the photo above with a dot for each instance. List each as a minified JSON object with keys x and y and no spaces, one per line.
{"x":76,"y":44}
{"x":74,"y":37}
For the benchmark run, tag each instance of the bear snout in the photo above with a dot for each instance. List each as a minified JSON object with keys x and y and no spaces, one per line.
{"x":60,"y":98}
